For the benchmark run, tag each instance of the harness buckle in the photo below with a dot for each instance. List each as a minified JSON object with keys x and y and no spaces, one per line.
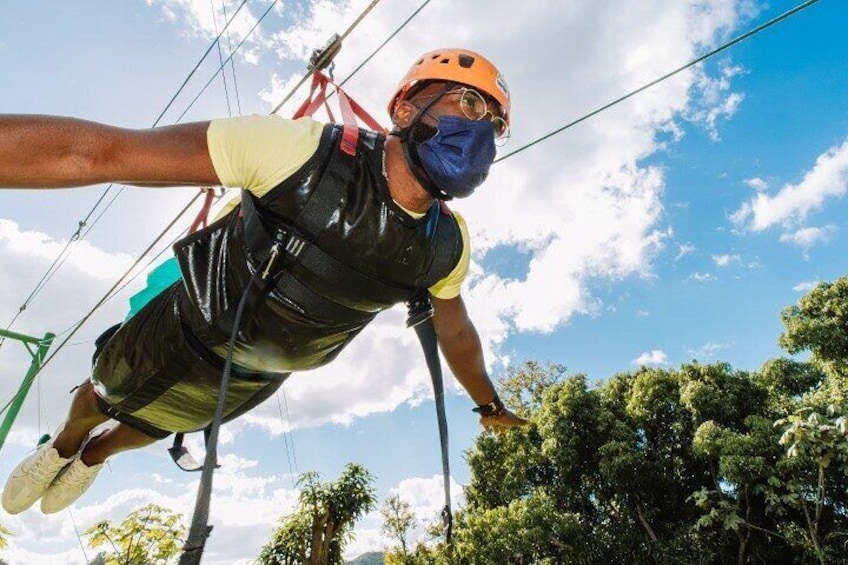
{"x":287,"y":242}
{"x":419,"y":309}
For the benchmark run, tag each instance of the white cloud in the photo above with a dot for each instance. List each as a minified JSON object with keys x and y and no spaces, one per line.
{"x":84,"y":258}
{"x":707,"y":351}
{"x":425,"y":497}
{"x":652,"y":358}
{"x":702,"y":277}
{"x":683,"y":250}
{"x":805,"y":286}
{"x":596,"y":210}
{"x":207,"y":19}
{"x":757,"y":184}
{"x":793,"y":203}
{"x":715,"y":101}
{"x":806,"y":238}
{"x":726,"y":260}
{"x":244,"y":511}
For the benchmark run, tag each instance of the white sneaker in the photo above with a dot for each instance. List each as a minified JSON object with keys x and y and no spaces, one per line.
{"x":32,"y":477}
{"x":70,"y":484}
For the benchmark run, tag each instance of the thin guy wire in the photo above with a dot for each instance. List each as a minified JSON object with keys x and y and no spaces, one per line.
{"x":197,"y":66}
{"x":60,"y":259}
{"x":91,"y":312}
{"x":79,"y":537}
{"x":221,"y":58}
{"x":232,"y":61}
{"x":286,"y":432}
{"x":384,"y":43}
{"x":727,"y":45}
{"x":291,"y":437}
{"x":227,"y":60}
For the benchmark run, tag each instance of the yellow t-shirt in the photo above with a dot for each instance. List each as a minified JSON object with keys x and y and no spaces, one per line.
{"x":257,"y":153}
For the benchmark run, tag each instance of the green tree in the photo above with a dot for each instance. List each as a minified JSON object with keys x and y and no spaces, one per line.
{"x":819,"y":323}
{"x":150,"y":534}
{"x":316,"y":533}
{"x":4,"y":537}
{"x":663,"y":466}
{"x":398,"y":520}
{"x":818,"y":443}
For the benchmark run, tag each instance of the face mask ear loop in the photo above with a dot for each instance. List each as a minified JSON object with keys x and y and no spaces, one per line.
{"x":403,"y":133}
{"x":409,"y":150}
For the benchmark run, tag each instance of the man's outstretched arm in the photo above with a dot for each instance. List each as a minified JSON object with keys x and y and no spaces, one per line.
{"x":461,"y":347}
{"x":56,"y":152}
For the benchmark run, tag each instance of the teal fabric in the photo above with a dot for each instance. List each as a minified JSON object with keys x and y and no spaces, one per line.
{"x":158,"y":280}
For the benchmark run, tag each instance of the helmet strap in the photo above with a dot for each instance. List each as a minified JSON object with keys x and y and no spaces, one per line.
{"x":409,"y":150}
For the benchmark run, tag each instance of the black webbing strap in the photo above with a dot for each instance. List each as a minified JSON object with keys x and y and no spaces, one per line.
{"x":200,"y":528}
{"x":426,"y":333}
{"x":259,"y":241}
{"x":183,"y":457}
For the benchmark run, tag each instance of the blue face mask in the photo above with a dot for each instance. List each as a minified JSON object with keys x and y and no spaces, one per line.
{"x":458,"y":157}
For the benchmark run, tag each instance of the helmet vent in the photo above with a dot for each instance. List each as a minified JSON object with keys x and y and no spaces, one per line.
{"x":465,"y":61}
{"x":445,"y":61}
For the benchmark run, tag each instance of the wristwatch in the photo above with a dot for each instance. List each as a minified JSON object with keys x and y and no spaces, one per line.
{"x":493,"y":408}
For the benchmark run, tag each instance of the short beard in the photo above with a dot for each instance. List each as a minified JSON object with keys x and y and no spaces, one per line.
{"x":421,"y":132}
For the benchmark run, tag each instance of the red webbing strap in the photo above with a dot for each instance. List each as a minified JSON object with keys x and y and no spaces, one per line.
{"x":365,"y":116}
{"x":350,"y":133}
{"x":350,"y":111}
{"x":203,"y":215}
{"x":319,"y":83}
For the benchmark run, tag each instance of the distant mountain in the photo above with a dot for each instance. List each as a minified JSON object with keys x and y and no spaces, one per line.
{"x":370,"y":558}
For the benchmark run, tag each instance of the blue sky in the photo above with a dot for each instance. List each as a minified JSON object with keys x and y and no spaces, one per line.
{"x":673,"y":227}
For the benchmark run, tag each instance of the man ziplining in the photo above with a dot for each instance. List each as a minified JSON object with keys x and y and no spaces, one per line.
{"x":328,"y":235}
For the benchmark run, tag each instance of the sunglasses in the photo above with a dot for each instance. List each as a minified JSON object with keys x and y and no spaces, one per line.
{"x":474,"y":107}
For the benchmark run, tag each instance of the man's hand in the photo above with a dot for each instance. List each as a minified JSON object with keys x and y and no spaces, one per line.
{"x":502,"y":421}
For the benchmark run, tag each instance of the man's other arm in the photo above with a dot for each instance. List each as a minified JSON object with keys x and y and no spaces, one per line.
{"x":460,"y":344}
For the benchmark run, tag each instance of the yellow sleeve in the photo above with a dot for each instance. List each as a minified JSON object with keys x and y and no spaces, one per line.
{"x":450,"y":286}
{"x":256,"y":153}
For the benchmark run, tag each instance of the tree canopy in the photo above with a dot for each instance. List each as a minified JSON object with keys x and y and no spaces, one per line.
{"x":702,"y":464}
{"x":151,"y":534}
{"x":317,"y":531}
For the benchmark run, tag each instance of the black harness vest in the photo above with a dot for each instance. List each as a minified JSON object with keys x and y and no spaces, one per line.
{"x":333,"y":250}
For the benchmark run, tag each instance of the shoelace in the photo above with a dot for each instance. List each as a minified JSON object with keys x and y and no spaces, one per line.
{"x":42,"y":468}
{"x":77,"y":475}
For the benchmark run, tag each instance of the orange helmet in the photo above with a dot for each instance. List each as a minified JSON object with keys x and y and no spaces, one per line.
{"x":455,"y":65}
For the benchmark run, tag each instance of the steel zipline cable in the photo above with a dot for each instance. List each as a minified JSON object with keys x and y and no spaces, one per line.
{"x":670,"y":74}
{"x":84,"y":223}
{"x":78,"y":235}
{"x":707,"y":55}
{"x":384,"y":43}
{"x":121,"y":281}
{"x":347,"y":32}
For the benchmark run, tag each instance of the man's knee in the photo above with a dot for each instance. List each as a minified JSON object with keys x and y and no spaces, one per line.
{"x":85,"y":404}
